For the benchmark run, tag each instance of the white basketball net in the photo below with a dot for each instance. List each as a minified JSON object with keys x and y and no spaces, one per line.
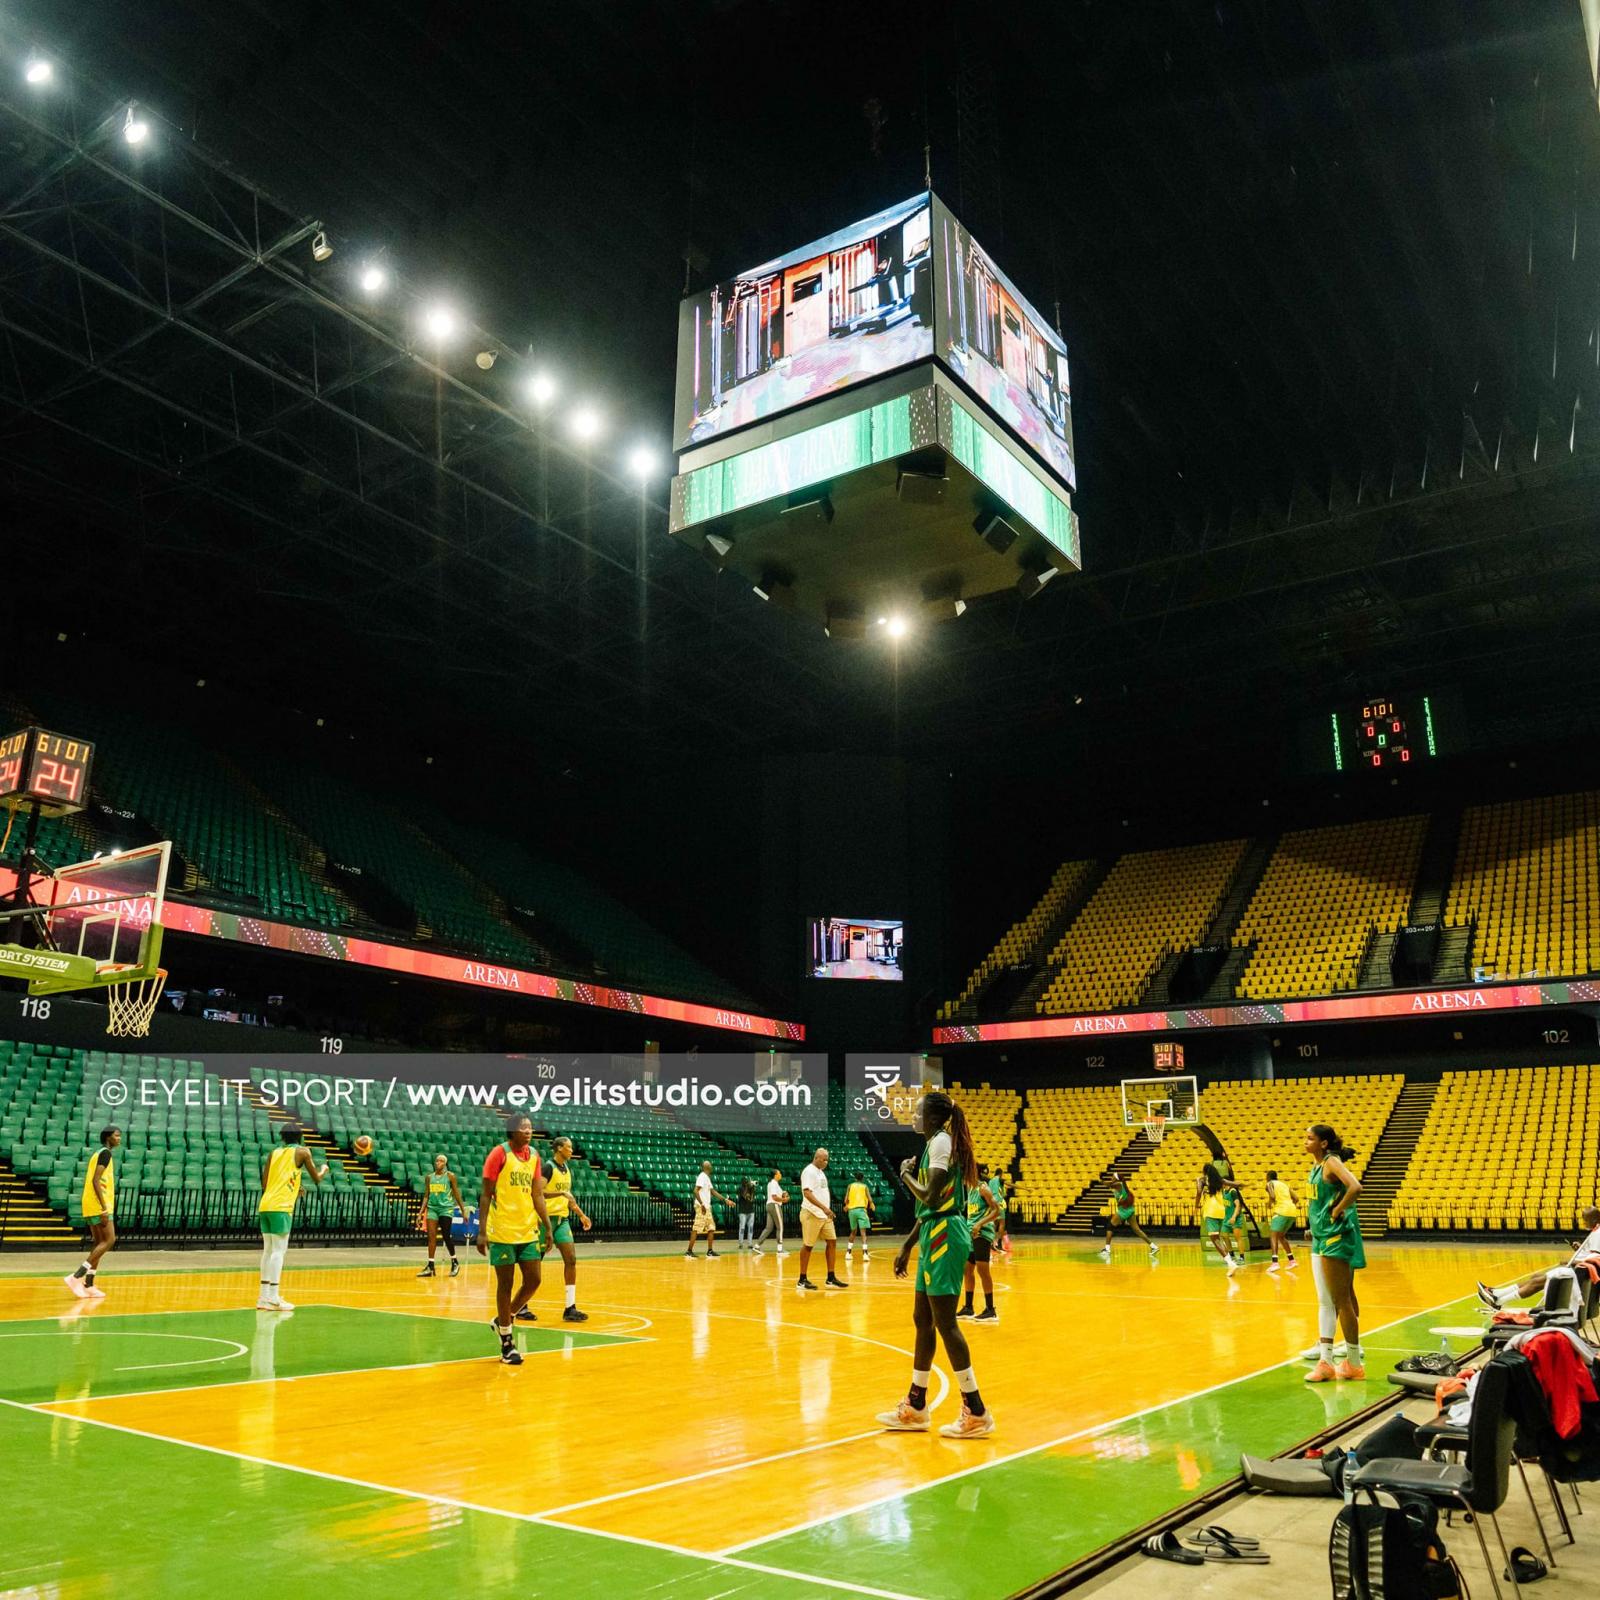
{"x":1155,"y":1123}
{"x":131,"y":1005}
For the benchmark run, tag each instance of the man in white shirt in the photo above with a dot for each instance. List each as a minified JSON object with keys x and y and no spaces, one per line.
{"x":777,"y":1199}
{"x":816,"y":1221}
{"x":1588,"y":1250}
{"x":704,"y":1221}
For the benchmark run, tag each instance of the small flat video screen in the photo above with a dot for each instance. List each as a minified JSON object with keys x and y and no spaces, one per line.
{"x":865,"y":949}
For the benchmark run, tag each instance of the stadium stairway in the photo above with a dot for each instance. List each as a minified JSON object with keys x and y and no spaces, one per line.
{"x":1387,"y":1168}
{"x":1083,"y":1215}
{"x":26,"y":1218}
{"x":1024,"y":1003}
{"x":1376,"y":968}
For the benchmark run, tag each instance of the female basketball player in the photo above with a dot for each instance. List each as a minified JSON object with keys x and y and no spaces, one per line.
{"x":1282,"y":1210}
{"x":938,"y":1180}
{"x":1211,"y":1195}
{"x":1337,"y":1252}
{"x":440,"y":1204}
{"x":558,"y":1201}
{"x":99,"y":1205}
{"x":1124,"y":1214}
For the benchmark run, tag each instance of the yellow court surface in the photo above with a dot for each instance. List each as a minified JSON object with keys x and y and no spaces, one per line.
{"x":708,"y":1431}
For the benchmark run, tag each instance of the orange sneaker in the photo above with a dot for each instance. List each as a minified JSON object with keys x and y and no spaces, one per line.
{"x":969,"y":1426}
{"x":905,"y":1418}
{"x":1322,"y":1373}
{"x":1348,"y":1369}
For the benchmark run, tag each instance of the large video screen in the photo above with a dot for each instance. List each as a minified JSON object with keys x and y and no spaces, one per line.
{"x":866,"y":948}
{"x":1001,"y":348}
{"x":852,"y":306}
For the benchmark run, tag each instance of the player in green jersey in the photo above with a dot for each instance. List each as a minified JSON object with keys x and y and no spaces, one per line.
{"x":938,"y":1181}
{"x":983,"y":1218}
{"x":1337,"y":1252}
{"x":1124,"y":1213}
{"x":441,"y":1199}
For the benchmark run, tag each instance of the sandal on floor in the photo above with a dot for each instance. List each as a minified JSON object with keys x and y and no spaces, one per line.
{"x":1167,"y":1547}
{"x":1235,"y":1552}
{"x":1526,"y":1565}
{"x":1213,"y":1535}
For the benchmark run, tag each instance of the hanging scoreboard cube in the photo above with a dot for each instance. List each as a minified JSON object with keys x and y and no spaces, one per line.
{"x":877,"y":424}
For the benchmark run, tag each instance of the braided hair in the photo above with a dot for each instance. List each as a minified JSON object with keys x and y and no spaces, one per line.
{"x":940,"y":1111}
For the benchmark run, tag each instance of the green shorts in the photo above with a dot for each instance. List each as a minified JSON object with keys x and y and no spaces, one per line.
{"x":93,"y":1219}
{"x":1231,"y":1215}
{"x":1280,"y":1224}
{"x":1214,"y":1224}
{"x":1128,"y":1215}
{"x":859,"y":1220}
{"x":276,"y":1222}
{"x":1344,"y":1245}
{"x":508,"y":1255}
{"x":942,"y":1253}
{"x":443,"y":1218}
{"x":560,"y":1233}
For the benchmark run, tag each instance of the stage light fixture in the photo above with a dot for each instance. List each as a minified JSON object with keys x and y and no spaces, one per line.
{"x":321,"y":250}
{"x":642,"y":461}
{"x":585,"y":423}
{"x":541,"y":388}
{"x":485,"y":359}
{"x":39,"y":71}
{"x":134,"y":128}
{"x":373,"y":279}
{"x":439,"y":322}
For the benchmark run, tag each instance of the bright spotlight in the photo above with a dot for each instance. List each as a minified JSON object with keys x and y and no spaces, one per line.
{"x":39,"y":71}
{"x":642,"y":461}
{"x":897,"y":627}
{"x":373,"y":279}
{"x":134,"y":128}
{"x":439,"y":322}
{"x":541,"y":389}
{"x":882,"y":621}
{"x":585,"y":423}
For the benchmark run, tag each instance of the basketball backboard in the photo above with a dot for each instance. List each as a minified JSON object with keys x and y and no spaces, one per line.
{"x":1175,"y":1098}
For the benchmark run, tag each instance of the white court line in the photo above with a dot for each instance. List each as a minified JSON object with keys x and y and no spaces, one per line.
{"x":73,"y":1332}
{"x":1052,"y":1444}
{"x":462,"y":1505}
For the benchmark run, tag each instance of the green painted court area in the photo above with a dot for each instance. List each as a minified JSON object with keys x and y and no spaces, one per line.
{"x":64,"y":1358}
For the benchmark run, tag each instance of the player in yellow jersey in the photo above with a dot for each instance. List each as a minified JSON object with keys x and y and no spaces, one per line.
{"x":1282,"y":1213}
{"x":511,"y":1213}
{"x":99,"y":1201}
{"x":280,"y":1188}
{"x":562,"y":1203}
{"x":858,"y":1207}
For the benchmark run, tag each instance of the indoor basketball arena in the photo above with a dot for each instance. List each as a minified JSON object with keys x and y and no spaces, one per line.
{"x":800,"y":801}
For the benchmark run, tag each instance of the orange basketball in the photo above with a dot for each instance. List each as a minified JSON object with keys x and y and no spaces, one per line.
{"x":363,"y":1145}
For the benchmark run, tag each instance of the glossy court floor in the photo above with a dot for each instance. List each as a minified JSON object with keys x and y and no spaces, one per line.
{"x":709,"y":1432}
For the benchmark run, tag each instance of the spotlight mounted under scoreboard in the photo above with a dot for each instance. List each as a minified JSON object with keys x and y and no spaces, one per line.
{"x":49,"y":771}
{"x":877,"y":426}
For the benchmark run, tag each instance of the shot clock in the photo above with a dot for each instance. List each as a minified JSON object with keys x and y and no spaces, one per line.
{"x":49,"y":770}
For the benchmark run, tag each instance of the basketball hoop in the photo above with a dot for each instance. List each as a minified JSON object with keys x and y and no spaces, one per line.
{"x":1155,"y":1127}
{"x":131,"y":1004}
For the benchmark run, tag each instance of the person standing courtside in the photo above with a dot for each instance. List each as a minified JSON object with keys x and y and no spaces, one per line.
{"x":705,"y":1220}
{"x":816,"y":1221}
{"x":777,"y":1199}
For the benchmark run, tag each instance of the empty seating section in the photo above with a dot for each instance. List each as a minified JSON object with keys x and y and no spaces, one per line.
{"x":1149,"y":904}
{"x":1505,"y":1148}
{"x":1069,"y":1138}
{"x":359,"y":831}
{"x":626,"y":948}
{"x":1021,"y":936}
{"x":993,"y":1115}
{"x":1526,"y":871}
{"x":192,"y":1159}
{"x":1262,"y":1127}
{"x":242,"y":852}
{"x":1323,"y":890}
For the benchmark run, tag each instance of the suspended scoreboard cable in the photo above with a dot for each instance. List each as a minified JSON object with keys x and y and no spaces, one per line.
{"x":877,"y":424}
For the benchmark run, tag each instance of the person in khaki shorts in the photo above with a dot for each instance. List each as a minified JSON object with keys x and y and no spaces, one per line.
{"x":816,"y":1221}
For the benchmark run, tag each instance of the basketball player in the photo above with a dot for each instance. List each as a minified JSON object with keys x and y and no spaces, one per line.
{"x":1337,"y":1252}
{"x":440,"y":1204}
{"x":1211,"y":1194}
{"x":816,"y":1221}
{"x":562,"y":1204}
{"x":99,"y":1202}
{"x":280,"y":1189}
{"x":1282,"y":1210}
{"x":777,"y":1199}
{"x":938,"y":1181}
{"x":704,"y":1220}
{"x":511,"y":1214}
{"x":1124,"y":1214}
{"x":859,"y":1209}
{"x":983,"y":1213}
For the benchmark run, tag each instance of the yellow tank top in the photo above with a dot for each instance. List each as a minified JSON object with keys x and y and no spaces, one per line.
{"x":511,"y":1215}
{"x":557,"y":1186}
{"x":855,"y":1197}
{"x":1216,"y":1206}
{"x":282,"y":1187}
{"x":108,"y":1181}
{"x":1282,"y":1205}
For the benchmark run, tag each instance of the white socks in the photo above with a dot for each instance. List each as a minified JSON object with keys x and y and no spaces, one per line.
{"x":572,"y":1295}
{"x":965,"y":1381}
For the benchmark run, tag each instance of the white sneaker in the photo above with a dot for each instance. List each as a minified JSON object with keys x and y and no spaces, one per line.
{"x":782,"y":1251}
{"x":904,"y":1419}
{"x":281,"y":1305}
{"x":1104,"y":1252}
{"x":866,"y":1254}
{"x":1234,"y":1264}
{"x":757,"y":1248}
{"x":75,"y":1284}
{"x":92,"y":1293}
{"x":1272,"y":1266}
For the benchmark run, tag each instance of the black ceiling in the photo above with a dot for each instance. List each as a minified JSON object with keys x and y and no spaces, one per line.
{"x":1326,"y":269}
